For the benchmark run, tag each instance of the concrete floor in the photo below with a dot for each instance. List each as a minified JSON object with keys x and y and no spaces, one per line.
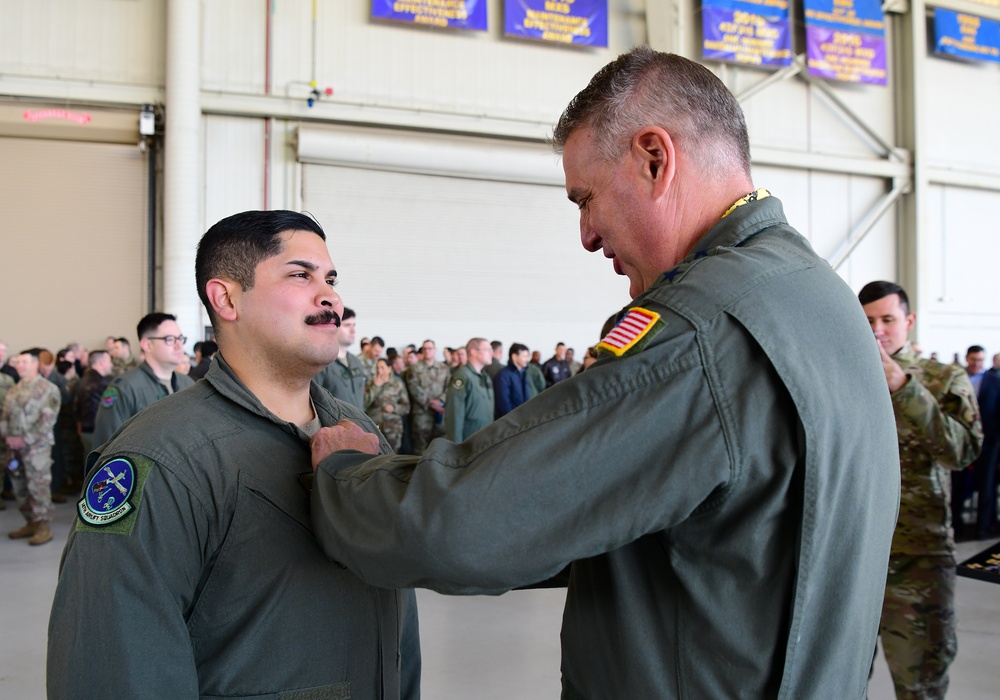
{"x":475,"y":648}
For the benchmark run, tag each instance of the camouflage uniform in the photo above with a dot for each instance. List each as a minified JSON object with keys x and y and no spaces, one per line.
{"x":29,"y":411}
{"x":6,"y":383}
{"x":426,"y":383}
{"x":938,"y":426}
{"x":368,"y":366}
{"x":120,"y":367}
{"x":393,"y":393}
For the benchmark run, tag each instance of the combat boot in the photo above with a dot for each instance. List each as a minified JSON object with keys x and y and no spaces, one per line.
{"x":42,"y":533}
{"x":27,"y":531}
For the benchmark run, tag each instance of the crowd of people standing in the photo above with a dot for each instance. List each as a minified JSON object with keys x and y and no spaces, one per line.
{"x":63,"y":405}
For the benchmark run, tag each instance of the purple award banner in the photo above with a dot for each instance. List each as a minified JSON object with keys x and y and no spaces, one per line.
{"x":448,"y":14}
{"x":845,"y":40}
{"x":575,"y":22}
{"x":750,"y":32}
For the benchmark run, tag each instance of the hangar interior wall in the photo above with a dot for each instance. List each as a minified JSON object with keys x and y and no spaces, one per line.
{"x":258,"y":58}
{"x":73,"y":265}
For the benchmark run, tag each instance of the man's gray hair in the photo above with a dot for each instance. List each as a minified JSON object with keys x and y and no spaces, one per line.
{"x":647,"y":88}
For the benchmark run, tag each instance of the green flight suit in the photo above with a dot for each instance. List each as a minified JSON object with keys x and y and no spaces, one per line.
{"x":726,"y":490}
{"x":210,"y":583}
{"x":129,"y":394}
{"x":536,"y":380}
{"x":469,"y":404}
{"x":345,"y":382}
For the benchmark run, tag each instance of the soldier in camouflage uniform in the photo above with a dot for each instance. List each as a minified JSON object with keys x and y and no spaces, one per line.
{"x":26,"y":423}
{"x":387,"y":403}
{"x":370,"y":354}
{"x":427,"y":381}
{"x":122,"y":359}
{"x":6,"y":383}
{"x":938,"y":426}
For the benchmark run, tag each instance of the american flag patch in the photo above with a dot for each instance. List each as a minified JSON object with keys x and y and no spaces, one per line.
{"x":629,"y":331}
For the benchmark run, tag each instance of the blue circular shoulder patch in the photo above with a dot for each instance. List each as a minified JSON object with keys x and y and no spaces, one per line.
{"x":106,"y":498}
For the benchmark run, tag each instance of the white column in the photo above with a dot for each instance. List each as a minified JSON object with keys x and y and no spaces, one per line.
{"x":181,"y":165}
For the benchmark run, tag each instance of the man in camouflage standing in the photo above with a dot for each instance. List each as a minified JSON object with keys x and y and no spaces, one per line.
{"x":122,"y":360}
{"x":938,"y":426}
{"x":387,"y":403}
{"x":6,"y":384}
{"x":427,"y":381}
{"x":26,"y":423}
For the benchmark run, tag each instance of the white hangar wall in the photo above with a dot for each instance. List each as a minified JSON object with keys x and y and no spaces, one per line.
{"x":880,"y":189}
{"x":958,"y":255}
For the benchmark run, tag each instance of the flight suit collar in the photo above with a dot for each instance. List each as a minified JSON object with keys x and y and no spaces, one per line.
{"x":224,"y":380}
{"x":741,"y":224}
{"x":152,"y":375}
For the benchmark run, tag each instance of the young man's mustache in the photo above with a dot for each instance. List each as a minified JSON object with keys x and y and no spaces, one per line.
{"x":323,"y":317}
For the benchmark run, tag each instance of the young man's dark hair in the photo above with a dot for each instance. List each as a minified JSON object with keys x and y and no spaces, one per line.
{"x":94,"y":355}
{"x":123,"y":341}
{"x":376,"y":340}
{"x":234,"y":247}
{"x":975,"y":348}
{"x":150,"y":322}
{"x":209,"y":348}
{"x":496,"y":345}
{"x":348,"y":313}
{"x":873,"y":291}
{"x":515,"y":348}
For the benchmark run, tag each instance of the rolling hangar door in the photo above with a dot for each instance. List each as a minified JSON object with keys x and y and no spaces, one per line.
{"x":449,"y":238}
{"x":73,"y":264}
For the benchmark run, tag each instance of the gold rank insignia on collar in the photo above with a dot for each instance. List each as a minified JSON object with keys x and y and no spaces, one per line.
{"x":757,"y":194}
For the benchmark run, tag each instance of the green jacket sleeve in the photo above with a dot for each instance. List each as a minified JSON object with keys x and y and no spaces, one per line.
{"x":117,"y":406}
{"x":132,"y":620}
{"x":524,"y":488}
{"x":454,"y":410}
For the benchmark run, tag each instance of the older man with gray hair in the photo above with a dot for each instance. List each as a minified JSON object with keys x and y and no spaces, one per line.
{"x":724,"y":479}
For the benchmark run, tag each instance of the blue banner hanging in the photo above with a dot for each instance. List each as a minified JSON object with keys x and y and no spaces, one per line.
{"x":448,"y":14}
{"x":966,"y":36}
{"x":751,"y":32}
{"x":576,"y":22}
